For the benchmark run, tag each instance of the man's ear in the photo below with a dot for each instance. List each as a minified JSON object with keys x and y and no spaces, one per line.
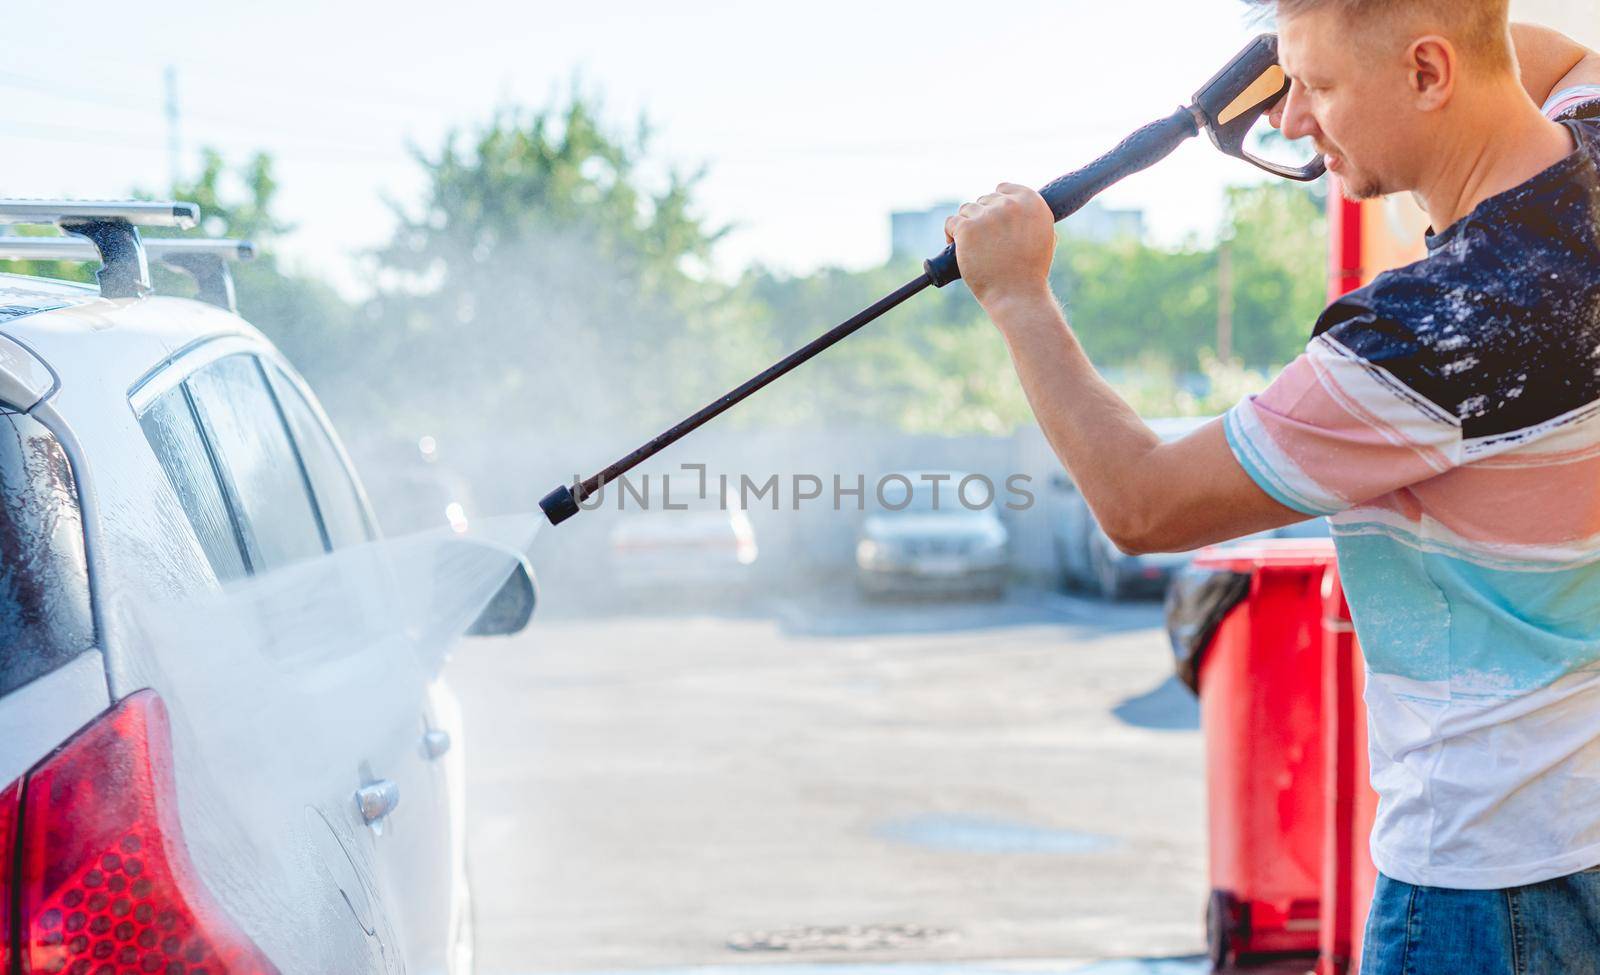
{"x":1431,"y":67}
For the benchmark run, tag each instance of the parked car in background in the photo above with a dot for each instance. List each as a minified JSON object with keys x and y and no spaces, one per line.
{"x":930,"y":547}
{"x":159,"y":812}
{"x":703,"y":545}
{"x":1085,"y":554}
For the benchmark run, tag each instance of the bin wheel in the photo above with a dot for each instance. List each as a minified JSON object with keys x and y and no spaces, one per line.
{"x":1222,"y":922}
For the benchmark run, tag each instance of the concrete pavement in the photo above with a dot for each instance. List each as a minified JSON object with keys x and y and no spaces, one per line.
{"x":806,"y":778}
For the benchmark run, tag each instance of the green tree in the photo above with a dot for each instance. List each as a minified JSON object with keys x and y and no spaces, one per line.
{"x":1279,"y":236}
{"x":1131,"y":302}
{"x":1147,"y":315}
{"x":546,"y":277}
{"x":933,"y":365}
{"x":304,"y":316}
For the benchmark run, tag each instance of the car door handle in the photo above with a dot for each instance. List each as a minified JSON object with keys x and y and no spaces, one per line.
{"x":377,"y":800}
{"x":435,"y":742}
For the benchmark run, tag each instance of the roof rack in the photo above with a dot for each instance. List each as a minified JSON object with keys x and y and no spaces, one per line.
{"x":204,"y":260}
{"x":111,"y":226}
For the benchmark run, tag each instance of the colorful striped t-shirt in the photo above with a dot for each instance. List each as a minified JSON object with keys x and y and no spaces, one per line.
{"x":1446,"y":418}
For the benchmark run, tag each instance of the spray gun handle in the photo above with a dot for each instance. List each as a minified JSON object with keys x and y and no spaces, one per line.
{"x":1067,"y":194}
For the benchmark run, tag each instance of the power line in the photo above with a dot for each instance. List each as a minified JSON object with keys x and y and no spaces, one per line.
{"x":77,"y":135}
{"x":21,"y":82}
{"x":153,"y":143}
{"x":275,"y":94}
{"x":344,"y":113}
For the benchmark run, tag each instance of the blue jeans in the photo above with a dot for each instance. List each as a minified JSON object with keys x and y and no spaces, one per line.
{"x":1541,"y":929}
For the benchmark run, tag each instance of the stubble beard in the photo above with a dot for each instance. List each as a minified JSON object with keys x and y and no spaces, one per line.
{"x":1361,"y":185}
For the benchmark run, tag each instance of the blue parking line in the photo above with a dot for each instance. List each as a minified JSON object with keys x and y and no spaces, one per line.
{"x":973,"y":833}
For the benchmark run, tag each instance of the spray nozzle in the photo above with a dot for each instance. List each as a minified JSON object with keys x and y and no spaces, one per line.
{"x":559,"y":505}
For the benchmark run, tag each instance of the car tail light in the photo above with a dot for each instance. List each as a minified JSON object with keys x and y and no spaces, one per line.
{"x":8,"y":822}
{"x":104,"y":885}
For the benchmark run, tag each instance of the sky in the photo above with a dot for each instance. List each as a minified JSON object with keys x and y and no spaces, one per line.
{"x":812,"y":121}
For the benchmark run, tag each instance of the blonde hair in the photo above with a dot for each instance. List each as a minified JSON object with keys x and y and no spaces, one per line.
{"x":1480,"y":28}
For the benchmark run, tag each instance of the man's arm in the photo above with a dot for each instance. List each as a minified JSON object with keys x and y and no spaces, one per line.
{"x":1551,"y":61}
{"x":1148,"y":496}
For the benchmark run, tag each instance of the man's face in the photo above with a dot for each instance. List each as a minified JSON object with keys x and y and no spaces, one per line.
{"x":1350,"y":97}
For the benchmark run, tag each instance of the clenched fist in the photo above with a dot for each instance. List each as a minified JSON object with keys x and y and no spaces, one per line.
{"x":1005,"y":242}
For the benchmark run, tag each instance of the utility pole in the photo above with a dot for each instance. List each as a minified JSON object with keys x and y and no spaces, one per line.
{"x":1225,"y":301}
{"x":174,"y":144}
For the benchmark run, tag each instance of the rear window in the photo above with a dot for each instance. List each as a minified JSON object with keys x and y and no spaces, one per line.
{"x":260,"y":466}
{"x":257,"y":472}
{"x":174,"y":435}
{"x":337,"y":500}
{"x":45,"y":616}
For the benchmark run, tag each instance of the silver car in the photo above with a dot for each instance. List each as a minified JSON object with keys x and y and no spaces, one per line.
{"x":934,"y":543}
{"x":238,"y":804}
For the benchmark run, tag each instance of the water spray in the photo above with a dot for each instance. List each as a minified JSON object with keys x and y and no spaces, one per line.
{"x":1227,"y":107}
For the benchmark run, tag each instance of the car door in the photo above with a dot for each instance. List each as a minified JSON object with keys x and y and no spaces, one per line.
{"x":414,"y":850}
{"x":335,"y":724}
{"x":248,"y":717}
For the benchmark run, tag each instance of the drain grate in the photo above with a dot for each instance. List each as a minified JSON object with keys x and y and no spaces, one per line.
{"x":866,"y":937}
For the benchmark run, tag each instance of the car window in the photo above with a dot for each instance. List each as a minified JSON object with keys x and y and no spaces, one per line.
{"x":45,"y":616}
{"x":336,"y":494}
{"x":260,"y":467}
{"x":174,"y":434}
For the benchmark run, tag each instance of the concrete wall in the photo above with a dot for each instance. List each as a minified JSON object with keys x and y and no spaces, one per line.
{"x":816,"y":538}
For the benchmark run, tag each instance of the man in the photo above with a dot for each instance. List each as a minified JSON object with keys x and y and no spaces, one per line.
{"x":1447,"y":419}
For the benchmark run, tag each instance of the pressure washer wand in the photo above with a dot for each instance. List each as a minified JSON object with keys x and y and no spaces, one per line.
{"x":1226,"y":107}
{"x":1066,"y":196}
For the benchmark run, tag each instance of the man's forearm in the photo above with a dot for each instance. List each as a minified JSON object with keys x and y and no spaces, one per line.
{"x":1095,"y":433}
{"x":1551,"y":61}
{"x":1587,"y":72}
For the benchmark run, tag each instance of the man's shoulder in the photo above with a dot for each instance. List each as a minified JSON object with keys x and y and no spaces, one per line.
{"x":1503,"y":347}
{"x":1499,"y":325}
{"x":1581,"y":102}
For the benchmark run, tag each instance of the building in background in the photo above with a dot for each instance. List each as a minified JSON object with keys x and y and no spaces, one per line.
{"x":1100,"y":224}
{"x":919,"y":234}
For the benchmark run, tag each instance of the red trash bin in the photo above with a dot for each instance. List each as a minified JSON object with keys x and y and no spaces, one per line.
{"x":1261,"y":683}
{"x":1349,"y":875}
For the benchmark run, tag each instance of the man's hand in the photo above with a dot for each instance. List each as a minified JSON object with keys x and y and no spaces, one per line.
{"x":1005,"y":242}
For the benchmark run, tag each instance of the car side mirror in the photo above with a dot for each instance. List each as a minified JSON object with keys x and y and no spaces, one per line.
{"x":512,"y":606}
